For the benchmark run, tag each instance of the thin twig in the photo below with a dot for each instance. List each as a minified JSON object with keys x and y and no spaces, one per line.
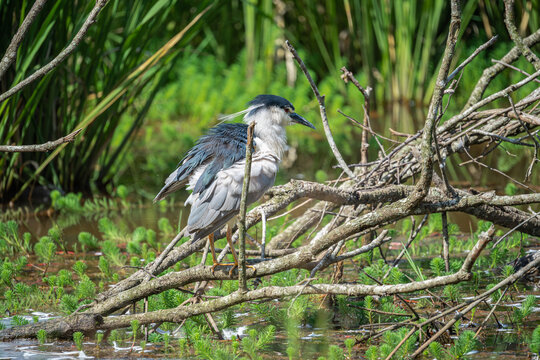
{"x":11,"y":52}
{"x":412,"y":236}
{"x":491,"y":312}
{"x":320,"y":99}
{"x":497,"y":171}
{"x":471,"y":57}
{"x":263,"y":239}
{"x":536,"y":144}
{"x":513,"y":68}
{"x":242,"y":282}
{"x":48,"y":146}
{"x":364,"y":146}
{"x":514,"y":229}
{"x":63,"y":54}
{"x":379,"y":311}
{"x":516,"y":38}
{"x":446,"y":241}
{"x":500,"y":137}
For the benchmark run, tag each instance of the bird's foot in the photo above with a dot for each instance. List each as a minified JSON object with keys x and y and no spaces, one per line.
{"x":220,"y":264}
{"x":236,"y":265}
{"x":233,"y":267}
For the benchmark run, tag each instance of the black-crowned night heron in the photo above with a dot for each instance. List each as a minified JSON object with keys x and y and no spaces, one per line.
{"x":214,"y":167}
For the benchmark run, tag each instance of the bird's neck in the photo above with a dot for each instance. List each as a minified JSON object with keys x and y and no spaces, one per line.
{"x":269,"y":133}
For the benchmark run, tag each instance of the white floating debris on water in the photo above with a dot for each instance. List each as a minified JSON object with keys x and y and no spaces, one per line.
{"x":239,"y":332}
{"x":311,"y":336}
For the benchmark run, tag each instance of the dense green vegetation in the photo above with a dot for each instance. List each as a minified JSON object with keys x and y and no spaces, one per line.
{"x":58,"y":275}
{"x":149,"y":78}
{"x":216,"y":68}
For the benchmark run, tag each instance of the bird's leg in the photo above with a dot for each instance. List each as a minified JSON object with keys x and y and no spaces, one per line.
{"x":229,"y":241}
{"x":213,"y":250}
{"x":215,"y":261}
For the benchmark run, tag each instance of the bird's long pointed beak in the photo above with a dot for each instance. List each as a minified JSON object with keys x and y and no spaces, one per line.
{"x":300,"y":120}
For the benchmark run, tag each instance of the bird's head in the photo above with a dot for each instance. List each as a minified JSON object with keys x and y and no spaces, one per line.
{"x":273,"y":109}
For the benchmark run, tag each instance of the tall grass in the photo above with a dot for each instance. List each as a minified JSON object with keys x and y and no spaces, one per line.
{"x":96,"y":85}
{"x":393,"y":46}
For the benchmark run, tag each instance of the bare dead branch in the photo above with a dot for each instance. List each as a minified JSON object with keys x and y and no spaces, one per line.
{"x":490,"y":73}
{"x":508,"y":281}
{"x":100,"y":4}
{"x":481,"y":48}
{"x":11,"y":51}
{"x":514,"y":35}
{"x":513,"y":68}
{"x":48,"y":146}
{"x":320,"y":100}
{"x":426,"y":149}
{"x":242,"y":283}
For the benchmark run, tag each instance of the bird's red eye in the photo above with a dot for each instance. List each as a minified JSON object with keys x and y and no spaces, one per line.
{"x":287,"y":110}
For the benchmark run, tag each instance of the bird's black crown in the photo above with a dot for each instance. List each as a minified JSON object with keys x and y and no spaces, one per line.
{"x":271,"y":100}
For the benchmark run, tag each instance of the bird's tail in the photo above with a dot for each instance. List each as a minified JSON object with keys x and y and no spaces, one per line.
{"x":168,"y":189}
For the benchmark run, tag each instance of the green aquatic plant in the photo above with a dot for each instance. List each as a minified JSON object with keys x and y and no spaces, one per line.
{"x":122,"y":192}
{"x":389,"y":342}
{"x":182,"y":346}
{"x":437,"y":351}
{"x":465,"y":343}
{"x":499,"y":256}
{"x":166,"y":341}
{"x":273,"y":314}
{"x":78,"y":339}
{"x":165,"y":228}
{"x":452,"y":292}
{"x":510,"y":189}
{"x":335,"y":353}
{"x":104,"y":266}
{"x":521,"y":313}
{"x":349,"y":343}
{"x":155,"y":338}
{"x":534,"y":342}
{"x":437,"y":266}
{"x":396,"y":276}
{"x":80,"y":268}
{"x":69,"y":303}
{"x":9,"y":270}
{"x":45,"y":249}
{"x":86,"y":289}
{"x":11,"y":242}
{"x":258,"y":341}
{"x":42,"y":336}
{"x":228,"y":319}
{"x":115,"y":336}
{"x":99,"y":338}
{"x":69,"y":203}
{"x":112,"y":253}
{"x":135,"y":325}
{"x":17,"y":320}
{"x":88,"y":241}
{"x":111,"y":231}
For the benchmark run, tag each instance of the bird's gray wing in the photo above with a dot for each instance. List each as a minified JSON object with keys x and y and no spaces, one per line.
{"x":224,"y":145}
{"x":215,"y":206}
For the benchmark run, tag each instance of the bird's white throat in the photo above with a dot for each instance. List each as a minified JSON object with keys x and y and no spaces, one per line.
{"x":269,"y":133}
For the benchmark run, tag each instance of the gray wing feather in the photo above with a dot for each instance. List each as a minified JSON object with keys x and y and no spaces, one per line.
{"x":171,"y":185}
{"x":220,"y":202}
